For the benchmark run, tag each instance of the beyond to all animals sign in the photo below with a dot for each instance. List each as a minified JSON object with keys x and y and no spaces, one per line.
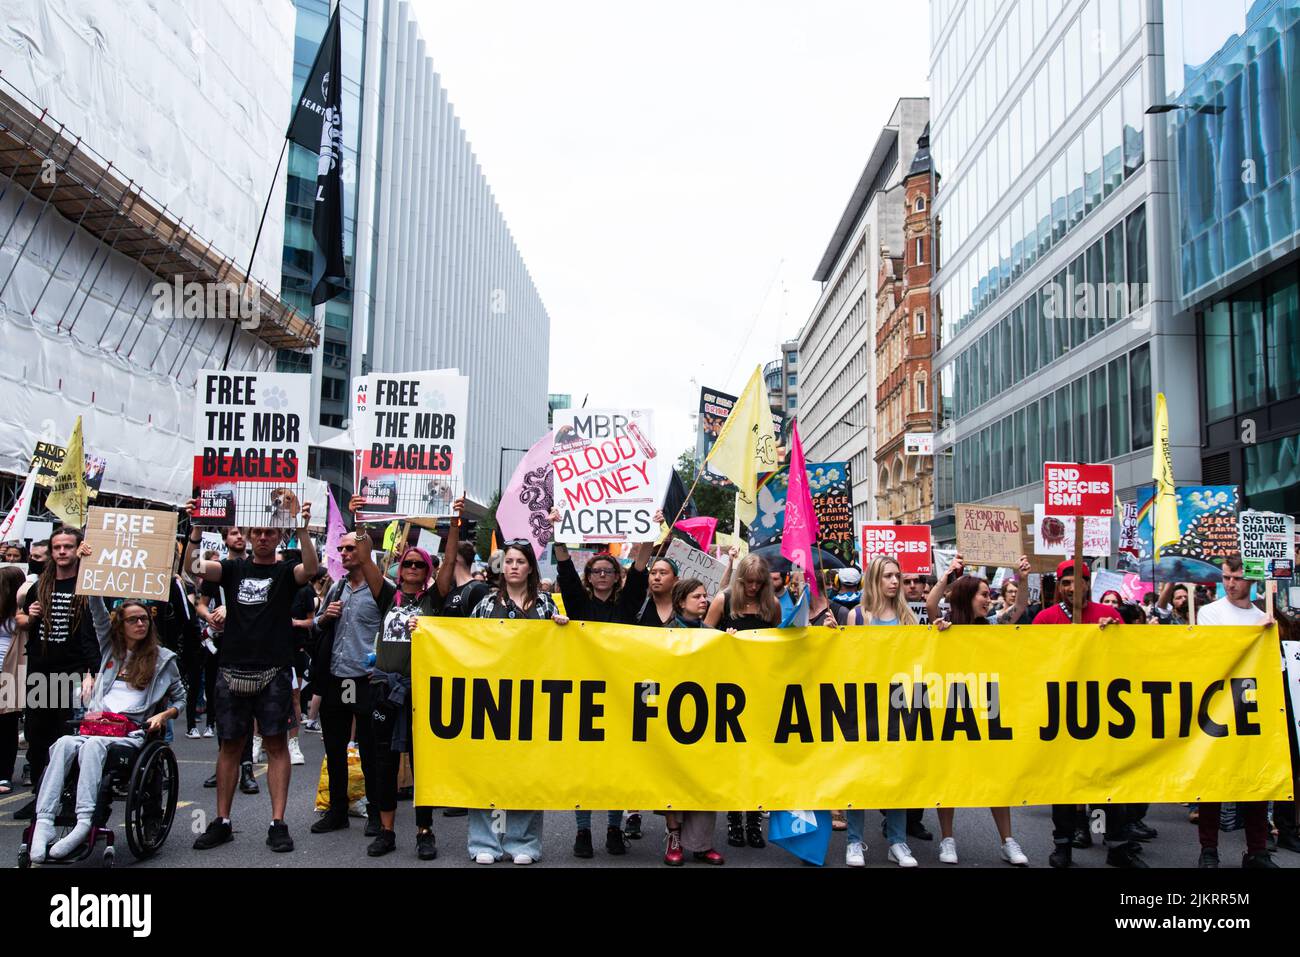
{"x":1070,"y":488}
{"x":605,"y":475}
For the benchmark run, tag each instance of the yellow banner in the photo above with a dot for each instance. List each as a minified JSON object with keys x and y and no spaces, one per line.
{"x":544,"y":716}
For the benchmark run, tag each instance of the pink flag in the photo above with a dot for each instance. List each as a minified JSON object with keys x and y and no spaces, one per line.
{"x":799,"y":537}
{"x":701,"y":529}
{"x":334,"y":532}
{"x":526,"y":501}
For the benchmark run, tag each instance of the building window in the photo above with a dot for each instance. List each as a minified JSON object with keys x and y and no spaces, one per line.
{"x":920,"y":251}
{"x":791,"y":358}
{"x":920,"y":393}
{"x":920,"y":322}
{"x":920,"y":204}
{"x":791,"y":380}
{"x":791,"y":403}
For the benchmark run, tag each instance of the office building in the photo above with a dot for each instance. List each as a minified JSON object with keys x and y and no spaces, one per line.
{"x":1053,"y":299}
{"x":781,"y":377}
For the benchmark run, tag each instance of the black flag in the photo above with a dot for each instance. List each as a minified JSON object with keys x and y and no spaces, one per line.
{"x":318,"y":126}
{"x":674,"y":497}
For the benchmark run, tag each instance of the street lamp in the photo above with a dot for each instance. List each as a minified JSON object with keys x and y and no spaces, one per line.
{"x":501,"y":464}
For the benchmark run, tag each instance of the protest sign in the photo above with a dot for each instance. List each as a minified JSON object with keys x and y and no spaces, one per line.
{"x":605,"y":475}
{"x":909,"y":545}
{"x":132,"y":553}
{"x":989,"y":535}
{"x":1054,"y":534}
{"x":1073,"y":488}
{"x":213,"y":542}
{"x":1265,"y":538}
{"x":1129,"y":544}
{"x":715,"y":406}
{"x":1291,"y":656}
{"x":694,"y":563}
{"x":831,"y":486}
{"x":250,"y":461}
{"x":1207,"y":522}
{"x":524,"y":714}
{"x":48,"y":459}
{"x":409,"y":430}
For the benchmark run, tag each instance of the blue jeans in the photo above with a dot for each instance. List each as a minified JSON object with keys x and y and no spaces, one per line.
{"x":895,"y":825}
{"x":583,"y":818}
{"x":505,"y":833}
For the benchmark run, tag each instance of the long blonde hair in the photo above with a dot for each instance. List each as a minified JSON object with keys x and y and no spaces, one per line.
{"x":769,"y":609}
{"x":873,"y":592}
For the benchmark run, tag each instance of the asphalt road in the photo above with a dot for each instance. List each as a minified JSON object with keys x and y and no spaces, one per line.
{"x":977,"y":840}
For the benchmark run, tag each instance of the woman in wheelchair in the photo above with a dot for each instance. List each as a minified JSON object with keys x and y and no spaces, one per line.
{"x":136,"y":675}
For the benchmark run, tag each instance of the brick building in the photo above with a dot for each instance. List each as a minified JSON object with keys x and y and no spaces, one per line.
{"x":904,"y":345}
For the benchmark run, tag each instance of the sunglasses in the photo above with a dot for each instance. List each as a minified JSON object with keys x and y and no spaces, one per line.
{"x":414,"y":564}
{"x":518,"y":542}
{"x":347,"y":548}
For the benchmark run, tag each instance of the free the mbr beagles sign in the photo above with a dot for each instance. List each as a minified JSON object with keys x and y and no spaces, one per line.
{"x":131,"y":554}
{"x":250,"y":451}
{"x":909,"y":545}
{"x":1072,"y":488}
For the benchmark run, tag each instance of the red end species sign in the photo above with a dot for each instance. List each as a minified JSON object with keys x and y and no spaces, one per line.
{"x":1071,"y":488}
{"x":909,"y":545}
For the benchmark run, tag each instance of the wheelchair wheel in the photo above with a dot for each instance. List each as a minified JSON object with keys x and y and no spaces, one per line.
{"x":151,"y":800}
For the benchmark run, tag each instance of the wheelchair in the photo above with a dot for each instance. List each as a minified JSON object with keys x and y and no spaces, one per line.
{"x":145,"y":778}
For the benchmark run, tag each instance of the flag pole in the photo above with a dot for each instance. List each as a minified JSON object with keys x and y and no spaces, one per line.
{"x":275,"y":178}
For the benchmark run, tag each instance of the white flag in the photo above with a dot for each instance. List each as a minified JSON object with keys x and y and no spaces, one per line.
{"x":15,"y":522}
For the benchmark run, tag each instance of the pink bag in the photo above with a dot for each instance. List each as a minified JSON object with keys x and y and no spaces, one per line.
{"x":106,"y":724}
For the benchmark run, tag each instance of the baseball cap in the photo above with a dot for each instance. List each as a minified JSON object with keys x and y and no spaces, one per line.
{"x":849,"y":577}
{"x":1067,"y":568}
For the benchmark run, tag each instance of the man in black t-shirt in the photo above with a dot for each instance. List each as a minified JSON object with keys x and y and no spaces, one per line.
{"x":467,"y":591}
{"x":255,"y":660}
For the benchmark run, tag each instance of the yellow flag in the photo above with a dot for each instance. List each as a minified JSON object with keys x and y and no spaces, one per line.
{"x":390,"y":536}
{"x":1164,"y":521}
{"x":68,"y":498}
{"x":746,"y":446}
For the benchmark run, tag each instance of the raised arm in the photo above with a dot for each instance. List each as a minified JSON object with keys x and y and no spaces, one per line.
{"x":641,"y":555}
{"x":733,"y":553}
{"x":940,"y":586}
{"x":306,"y":570}
{"x":446,"y":579}
{"x":558,"y":548}
{"x":208,"y":571}
{"x":1016,"y":612}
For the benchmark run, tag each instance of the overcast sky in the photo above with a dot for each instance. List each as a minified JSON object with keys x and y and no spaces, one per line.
{"x":672,"y":171}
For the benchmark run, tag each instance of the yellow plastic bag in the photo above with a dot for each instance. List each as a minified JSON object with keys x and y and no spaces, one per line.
{"x":356,"y":786}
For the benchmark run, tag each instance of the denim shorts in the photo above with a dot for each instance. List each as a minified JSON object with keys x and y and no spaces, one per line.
{"x":272,"y":707}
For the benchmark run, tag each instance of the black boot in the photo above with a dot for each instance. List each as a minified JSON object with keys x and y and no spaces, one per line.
{"x":1082,"y":838}
{"x":373,"y":826}
{"x":1060,"y":856}
{"x":735,"y":829}
{"x":582,"y":844}
{"x":754,"y":830}
{"x":1126,"y":855}
{"x":247,"y":779}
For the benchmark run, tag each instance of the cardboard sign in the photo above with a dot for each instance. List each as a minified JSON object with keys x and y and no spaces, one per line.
{"x":132,"y":552}
{"x":409,"y":430}
{"x":694,"y":563}
{"x":1072,"y":488}
{"x":1265,"y":537}
{"x":250,"y":457}
{"x":604,"y":474}
{"x":918,"y":443}
{"x":1054,"y":534}
{"x":989,"y":535}
{"x":48,"y":459}
{"x":909,"y":545}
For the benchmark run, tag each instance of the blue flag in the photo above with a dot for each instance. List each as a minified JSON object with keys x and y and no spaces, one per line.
{"x":805,"y":834}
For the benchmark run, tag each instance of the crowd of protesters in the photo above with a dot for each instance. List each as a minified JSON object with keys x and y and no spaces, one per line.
{"x":261,"y":643}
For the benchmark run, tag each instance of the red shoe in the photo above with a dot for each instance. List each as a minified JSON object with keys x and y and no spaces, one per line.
{"x":709,"y":857}
{"x":674,"y":856}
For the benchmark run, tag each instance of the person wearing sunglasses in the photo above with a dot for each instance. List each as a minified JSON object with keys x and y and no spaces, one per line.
{"x":136,"y":674}
{"x":419,"y":594}
{"x":518,"y":597}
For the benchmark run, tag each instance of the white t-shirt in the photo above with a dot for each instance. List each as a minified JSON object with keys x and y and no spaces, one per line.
{"x":1224,"y":612}
{"x":123,"y":699}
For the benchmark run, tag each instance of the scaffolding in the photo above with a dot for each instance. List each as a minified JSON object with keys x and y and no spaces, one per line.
{"x":93,"y":196}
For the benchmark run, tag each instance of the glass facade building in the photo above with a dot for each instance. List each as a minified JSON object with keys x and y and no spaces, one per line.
{"x":1048,"y":296}
{"x":1232,"y":78}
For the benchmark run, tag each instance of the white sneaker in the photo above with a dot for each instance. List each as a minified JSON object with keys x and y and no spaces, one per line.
{"x":854,"y":854}
{"x":1012,"y":854}
{"x":193,"y":733}
{"x":485,"y":857}
{"x":948,"y":851}
{"x":523,"y":859}
{"x":902,"y":855}
{"x":258,"y":754}
{"x":208,"y":732}
{"x":295,"y":752}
